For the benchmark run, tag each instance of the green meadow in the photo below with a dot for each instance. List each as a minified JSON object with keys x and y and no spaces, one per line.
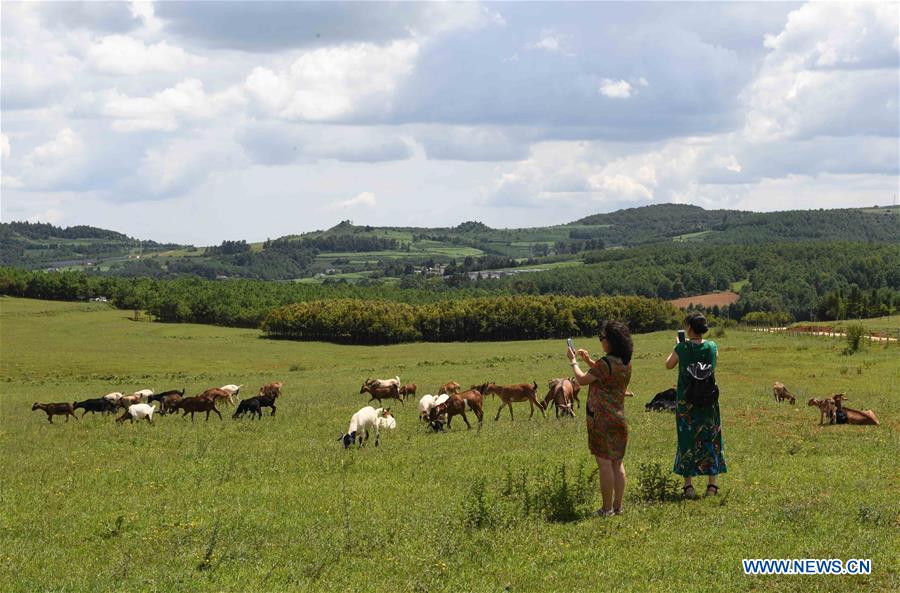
{"x":277,"y":505}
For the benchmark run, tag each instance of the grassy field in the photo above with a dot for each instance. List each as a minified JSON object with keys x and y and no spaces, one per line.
{"x":276,"y":505}
{"x":889,"y":326}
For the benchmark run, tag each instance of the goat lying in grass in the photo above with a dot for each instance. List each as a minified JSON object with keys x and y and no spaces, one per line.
{"x":366,"y":419}
{"x":782,"y":393}
{"x":849,"y":415}
{"x":97,"y":404}
{"x":59,"y":409}
{"x":664,"y":401}
{"x":138,"y":412}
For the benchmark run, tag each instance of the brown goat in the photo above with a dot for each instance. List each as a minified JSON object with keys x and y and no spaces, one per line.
{"x":61,"y":409}
{"x":782,"y":393}
{"x":128,"y":400}
{"x":456,"y":406}
{"x":196,"y":404}
{"x":218,"y":395}
{"x":518,"y":392}
{"x":826,"y":408}
{"x":271,"y":388}
{"x":167,"y":402}
{"x":408,"y":390}
{"x":864,"y":417}
{"x":449,"y":388}
{"x":562,"y":394}
{"x":381,"y":392}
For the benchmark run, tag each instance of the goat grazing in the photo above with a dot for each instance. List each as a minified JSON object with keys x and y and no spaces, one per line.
{"x":562,"y":393}
{"x":518,"y":392}
{"x":408,"y":390}
{"x":448,"y":388}
{"x":138,"y":412}
{"x":60,"y":409}
{"x":664,"y":401}
{"x":456,"y":405}
{"x":366,"y":419}
{"x":195,"y":404}
{"x":251,"y":405}
{"x":97,"y":404}
{"x":781,"y":393}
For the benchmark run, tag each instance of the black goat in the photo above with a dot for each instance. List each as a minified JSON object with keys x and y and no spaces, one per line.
{"x":664,"y":401}
{"x":159,"y":397}
{"x":97,"y":404}
{"x":251,"y":405}
{"x":267,"y":400}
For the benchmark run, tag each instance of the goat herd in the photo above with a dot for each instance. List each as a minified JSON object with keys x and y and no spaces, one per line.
{"x":436,"y":410}
{"x":140,"y":404}
{"x":831,"y":407}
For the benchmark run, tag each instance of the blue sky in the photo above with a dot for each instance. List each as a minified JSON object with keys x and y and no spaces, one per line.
{"x":202,"y":121}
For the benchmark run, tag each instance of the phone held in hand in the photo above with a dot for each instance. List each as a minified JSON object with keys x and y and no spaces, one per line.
{"x":570,"y":344}
{"x":681,"y":336}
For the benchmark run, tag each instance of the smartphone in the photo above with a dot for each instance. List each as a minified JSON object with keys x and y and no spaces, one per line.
{"x":570,"y":344}
{"x":681,"y":336}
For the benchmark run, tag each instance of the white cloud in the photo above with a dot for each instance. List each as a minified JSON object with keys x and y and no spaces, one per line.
{"x":64,"y":146}
{"x":51,"y":215}
{"x":831,"y":71}
{"x":183,"y":164}
{"x":366,"y":199}
{"x":548,"y":42}
{"x":5,"y":149}
{"x":615,"y":89}
{"x":334,"y":82}
{"x":121,"y":54}
{"x":186,"y":100}
{"x":145,"y":12}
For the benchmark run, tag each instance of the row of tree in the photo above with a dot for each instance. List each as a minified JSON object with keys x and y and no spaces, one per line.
{"x":477,"y":319}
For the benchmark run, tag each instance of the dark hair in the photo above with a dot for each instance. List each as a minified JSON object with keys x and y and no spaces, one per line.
{"x":619,"y":339}
{"x":697,"y":322}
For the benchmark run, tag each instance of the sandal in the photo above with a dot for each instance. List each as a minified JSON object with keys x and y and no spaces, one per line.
{"x":602,"y":513}
{"x":618,"y":511}
{"x":712,"y":490}
{"x":689,"y":492}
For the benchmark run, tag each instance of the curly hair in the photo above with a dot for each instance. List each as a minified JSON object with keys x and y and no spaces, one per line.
{"x":619,"y":339}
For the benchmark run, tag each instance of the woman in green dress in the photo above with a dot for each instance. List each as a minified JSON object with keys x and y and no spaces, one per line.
{"x":701,"y":451}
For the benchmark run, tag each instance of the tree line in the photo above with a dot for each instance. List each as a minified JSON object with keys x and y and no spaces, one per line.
{"x":475,"y":319}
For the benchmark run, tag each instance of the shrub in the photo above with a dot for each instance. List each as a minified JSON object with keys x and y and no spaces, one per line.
{"x":656,"y":485}
{"x":855,"y":333}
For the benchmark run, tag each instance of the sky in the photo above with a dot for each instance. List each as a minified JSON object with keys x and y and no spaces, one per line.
{"x":197,"y":122}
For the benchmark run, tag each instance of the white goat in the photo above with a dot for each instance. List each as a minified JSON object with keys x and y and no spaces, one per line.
{"x":385,"y":382}
{"x":233,"y":390}
{"x":428,"y":402}
{"x":144,"y":394}
{"x":138,"y":411}
{"x":114,"y":397}
{"x":366,"y":419}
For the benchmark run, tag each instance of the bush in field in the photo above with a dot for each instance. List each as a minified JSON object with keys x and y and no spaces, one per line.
{"x":855,"y":333}
{"x":656,"y":485}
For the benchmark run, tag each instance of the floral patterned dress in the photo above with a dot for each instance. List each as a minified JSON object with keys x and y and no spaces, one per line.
{"x":607,"y":428}
{"x":701,"y":450}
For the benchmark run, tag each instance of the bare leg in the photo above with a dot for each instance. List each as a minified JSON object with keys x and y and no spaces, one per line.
{"x":607,"y":482}
{"x":618,"y":469}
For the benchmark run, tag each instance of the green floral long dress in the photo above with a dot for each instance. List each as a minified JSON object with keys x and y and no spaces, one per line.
{"x":701,"y":450}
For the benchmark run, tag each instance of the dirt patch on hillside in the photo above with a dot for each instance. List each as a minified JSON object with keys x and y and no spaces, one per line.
{"x":708,"y":300}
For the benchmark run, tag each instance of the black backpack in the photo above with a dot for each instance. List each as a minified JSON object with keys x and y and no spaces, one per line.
{"x":700,"y":387}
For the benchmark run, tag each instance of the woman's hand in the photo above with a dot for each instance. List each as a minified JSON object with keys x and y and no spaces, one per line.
{"x":584,"y":355}
{"x":570,"y":355}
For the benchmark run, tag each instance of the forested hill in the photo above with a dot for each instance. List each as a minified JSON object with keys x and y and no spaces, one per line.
{"x":683,"y":222}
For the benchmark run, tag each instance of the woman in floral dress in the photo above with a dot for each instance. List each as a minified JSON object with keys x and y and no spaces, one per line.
{"x":607,"y":428}
{"x":700,"y":451}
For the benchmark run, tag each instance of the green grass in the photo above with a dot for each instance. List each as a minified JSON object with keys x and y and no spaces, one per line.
{"x":276,"y":505}
{"x":737,"y":286}
{"x":885,"y":325}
